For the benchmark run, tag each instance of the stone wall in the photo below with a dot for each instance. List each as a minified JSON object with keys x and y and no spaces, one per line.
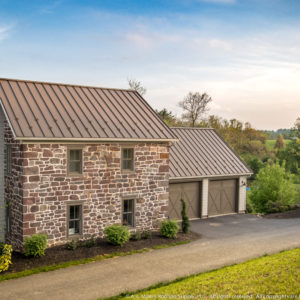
{"x":14,"y":190}
{"x":47,"y":189}
{"x":2,"y":196}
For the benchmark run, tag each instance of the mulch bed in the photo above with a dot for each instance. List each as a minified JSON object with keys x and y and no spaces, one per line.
{"x":284,"y":215}
{"x":60,"y":254}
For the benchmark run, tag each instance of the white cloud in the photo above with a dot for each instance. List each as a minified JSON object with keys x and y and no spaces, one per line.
{"x":4,"y":32}
{"x":50,"y":9}
{"x":219,"y":44}
{"x":140,"y":40}
{"x":148,"y":41}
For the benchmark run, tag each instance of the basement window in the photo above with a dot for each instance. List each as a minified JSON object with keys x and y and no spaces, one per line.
{"x":74,"y":220}
{"x":128,"y":212}
{"x":127,"y":159}
{"x":74,"y":161}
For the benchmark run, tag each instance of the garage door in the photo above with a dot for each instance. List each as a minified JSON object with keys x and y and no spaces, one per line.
{"x":221,"y":197}
{"x":191,"y":195}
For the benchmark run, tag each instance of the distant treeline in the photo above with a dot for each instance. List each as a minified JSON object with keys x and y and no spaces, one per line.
{"x":273,"y":135}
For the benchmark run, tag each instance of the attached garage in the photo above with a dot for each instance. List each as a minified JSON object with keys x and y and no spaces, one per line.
{"x":190,"y":192}
{"x":207,"y":174}
{"x":222,"y":197}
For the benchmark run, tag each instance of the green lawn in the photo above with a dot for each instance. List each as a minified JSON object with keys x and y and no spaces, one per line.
{"x":271,"y":143}
{"x":277,"y":274}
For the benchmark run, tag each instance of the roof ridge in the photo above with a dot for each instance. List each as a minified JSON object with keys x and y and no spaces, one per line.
{"x":66,"y":84}
{"x":196,"y":128}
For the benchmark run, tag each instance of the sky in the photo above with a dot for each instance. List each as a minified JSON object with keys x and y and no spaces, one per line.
{"x":244,"y":53}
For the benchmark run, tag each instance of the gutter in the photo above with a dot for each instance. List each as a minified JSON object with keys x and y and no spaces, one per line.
{"x":208,"y":176}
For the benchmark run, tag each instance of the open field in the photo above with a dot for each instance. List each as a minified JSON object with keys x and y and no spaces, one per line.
{"x":277,"y":274}
{"x":271,"y":143}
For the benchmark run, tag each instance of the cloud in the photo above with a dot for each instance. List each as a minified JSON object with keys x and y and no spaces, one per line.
{"x":4,"y":32}
{"x":140,"y":40}
{"x":50,"y":9}
{"x":149,"y":41}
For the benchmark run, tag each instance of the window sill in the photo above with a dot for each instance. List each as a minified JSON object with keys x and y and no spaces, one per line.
{"x":79,"y":175}
{"x":127,"y":171}
{"x":75,"y":236}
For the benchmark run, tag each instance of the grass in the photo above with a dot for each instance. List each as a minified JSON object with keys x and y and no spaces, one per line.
{"x":271,"y":143}
{"x":64,"y":265}
{"x":277,"y":274}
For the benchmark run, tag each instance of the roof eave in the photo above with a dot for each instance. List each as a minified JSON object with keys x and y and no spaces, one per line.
{"x":80,"y":140}
{"x":7,"y":118}
{"x":208,"y":176}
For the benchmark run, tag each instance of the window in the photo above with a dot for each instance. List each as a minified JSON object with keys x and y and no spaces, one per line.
{"x":127,"y":159}
{"x":128,"y":212}
{"x":8,"y":159}
{"x":74,"y":219}
{"x":75,"y":161}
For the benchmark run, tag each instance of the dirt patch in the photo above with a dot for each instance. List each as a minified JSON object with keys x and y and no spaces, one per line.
{"x":60,"y":254}
{"x":284,"y":215}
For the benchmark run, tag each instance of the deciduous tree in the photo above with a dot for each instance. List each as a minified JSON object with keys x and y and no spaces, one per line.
{"x":194,"y":106}
{"x":137,"y":86}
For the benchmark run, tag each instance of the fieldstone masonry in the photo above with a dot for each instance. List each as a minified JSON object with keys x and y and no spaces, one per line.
{"x":40,"y":189}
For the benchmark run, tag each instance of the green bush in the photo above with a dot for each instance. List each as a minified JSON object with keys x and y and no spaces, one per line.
{"x":72,"y":245}
{"x":35,"y":245}
{"x":146,"y":234}
{"x":5,"y":256}
{"x":169,"y":228}
{"x":249,"y":206}
{"x":272,"y":189}
{"x":136,"y":236}
{"x":89,"y":243}
{"x":117,"y":234}
{"x":185,"y":223}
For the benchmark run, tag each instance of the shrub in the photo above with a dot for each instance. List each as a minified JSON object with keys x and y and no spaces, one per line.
{"x":5,"y":256}
{"x":185,"y":224}
{"x":136,"y":236}
{"x":273,"y":187}
{"x":147,"y":234}
{"x":35,"y":245}
{"x":72,"y":245}
{"x":169,"y":228}
{"x":249,"y":206}
{"x":117,"y":234}
{"x":89,"y":243}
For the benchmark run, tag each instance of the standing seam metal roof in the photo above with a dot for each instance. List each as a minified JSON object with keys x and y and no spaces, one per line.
{"x":201,"y":152}
{"x":43,"y":110}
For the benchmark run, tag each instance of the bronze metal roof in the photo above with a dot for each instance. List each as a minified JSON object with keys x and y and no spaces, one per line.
{"x":201,"y":152}
{"x":53,"y":111}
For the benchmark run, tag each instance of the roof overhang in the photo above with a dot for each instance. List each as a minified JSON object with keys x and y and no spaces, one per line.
{"x":92,"y":140}
{"x":220,"y":176}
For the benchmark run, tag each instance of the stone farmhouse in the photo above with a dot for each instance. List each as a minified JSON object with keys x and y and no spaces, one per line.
{"x":75,"y":159}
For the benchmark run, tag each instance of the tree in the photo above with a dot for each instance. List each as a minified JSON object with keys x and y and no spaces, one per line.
{"x":280,"y":143}
{"x":137,"y":86}
{"x":167,"y":116}
{"x":194,"y":105}
{"x":185,"y":224}
{"x":273,"y":189}
{"x":291,"y":155}
{"x":297,"y":127}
